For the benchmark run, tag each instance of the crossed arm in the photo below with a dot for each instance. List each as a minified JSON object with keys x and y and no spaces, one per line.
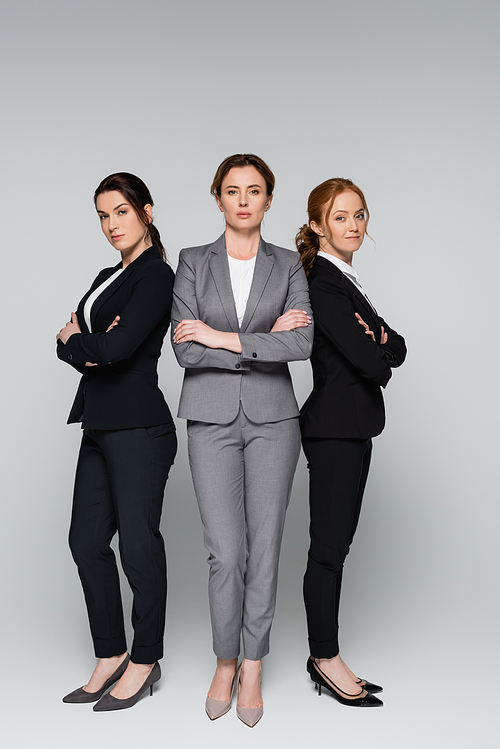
{"x":149,"y":302}
{"x":73,"y":326}
{"x":198,"y":345}
{"x":196,"y":330}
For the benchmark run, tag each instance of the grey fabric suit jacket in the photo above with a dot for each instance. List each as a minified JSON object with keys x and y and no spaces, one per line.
{"x":217,"y":380}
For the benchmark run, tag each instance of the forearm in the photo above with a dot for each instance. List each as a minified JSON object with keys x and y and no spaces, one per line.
{"x":227,"y":341}
{"x":194,"y":355}
{"x":62,"y":355}
{"x":395,"y":351}
{"x":281,"y":346}
{"x":97,"y":348}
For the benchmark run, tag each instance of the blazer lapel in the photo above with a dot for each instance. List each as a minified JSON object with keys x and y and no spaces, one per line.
{"x":81,"y":306}
{"x":119,"y":280}
{"x":362,"y":298}
{"x":367,"y":310}
{"x":108,"y":291}
{"x":219,"y":268}
{"x":263,"y":267}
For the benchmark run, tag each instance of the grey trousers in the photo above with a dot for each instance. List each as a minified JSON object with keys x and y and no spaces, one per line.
{"x":242,"y":475}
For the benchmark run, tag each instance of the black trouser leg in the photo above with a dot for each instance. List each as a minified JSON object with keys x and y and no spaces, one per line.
{"x":119,"y":485}
{"x":338,"y":470}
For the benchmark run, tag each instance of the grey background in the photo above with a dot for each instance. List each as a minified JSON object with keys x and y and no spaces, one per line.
{"x":403,"y":98}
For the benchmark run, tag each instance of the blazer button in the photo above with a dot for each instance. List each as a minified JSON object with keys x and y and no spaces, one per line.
{"x":237,"y":366}
{"x":254,"y":355}
{"x":70,"y":357}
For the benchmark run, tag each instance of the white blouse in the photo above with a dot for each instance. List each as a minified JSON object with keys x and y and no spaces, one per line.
{"x":97,"y":292}
{"x":241,"y":272}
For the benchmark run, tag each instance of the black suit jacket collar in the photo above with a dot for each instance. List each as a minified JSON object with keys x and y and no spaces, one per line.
{"x":330,"y":267}
{"x":148,"y":254}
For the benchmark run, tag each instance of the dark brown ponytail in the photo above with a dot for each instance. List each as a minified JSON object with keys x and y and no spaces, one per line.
{"x":137,"y":194}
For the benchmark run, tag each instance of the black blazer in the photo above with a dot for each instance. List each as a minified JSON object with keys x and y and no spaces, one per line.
{"x":122,"y":391}
{"x":349,"y":368}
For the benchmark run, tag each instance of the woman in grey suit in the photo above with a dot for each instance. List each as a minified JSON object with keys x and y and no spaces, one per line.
{"x":240,"y":313}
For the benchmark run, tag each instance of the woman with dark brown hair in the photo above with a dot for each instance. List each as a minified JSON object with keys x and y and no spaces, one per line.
{"x":354,"y":351}
{"x":240,"y":313}
{"x":128,"y":446}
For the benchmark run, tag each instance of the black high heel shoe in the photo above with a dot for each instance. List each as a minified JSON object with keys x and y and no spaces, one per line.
{"x":108,"y":702}
{"x":368,"y":686}
{"x":321,"y":680}
{"x":80,"y":696}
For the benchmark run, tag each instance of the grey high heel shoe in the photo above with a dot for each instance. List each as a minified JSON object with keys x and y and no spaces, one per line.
{"x":250,"y":716}
{"x":80,"y":696}
{"x":108,"y":702}
{"x":217,"y":708}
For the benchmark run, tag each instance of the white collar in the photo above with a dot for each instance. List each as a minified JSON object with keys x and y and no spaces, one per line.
{"x":344,"y":267}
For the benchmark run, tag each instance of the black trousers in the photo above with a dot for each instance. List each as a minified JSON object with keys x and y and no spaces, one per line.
{"x":119,"y":486}
{"x":338,"y":469}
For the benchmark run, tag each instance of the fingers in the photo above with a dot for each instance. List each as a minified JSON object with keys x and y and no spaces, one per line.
{"x":383,"y":336}
{"x":368,"y":332}
{"x":74,"y":318}
{"x":293,"y":313}
{"x":361,"y":321}
{"x":185,"y":331}
{"x":113,"y":324}
{"x":294,"y":318}
{"x":185,"y":338}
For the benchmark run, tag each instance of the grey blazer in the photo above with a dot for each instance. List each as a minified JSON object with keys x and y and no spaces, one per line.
{"x":216,"y":380}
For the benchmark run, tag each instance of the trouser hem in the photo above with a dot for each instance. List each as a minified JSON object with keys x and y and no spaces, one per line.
{"x":110,"y":648}
{"x":328,"y":649}
{"x":146,"y":654}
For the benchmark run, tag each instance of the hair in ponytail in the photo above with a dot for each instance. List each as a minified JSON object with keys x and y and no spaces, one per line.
{"x":319,"y":207}
{"x":307,"y":243}
{"x":137,"y":194}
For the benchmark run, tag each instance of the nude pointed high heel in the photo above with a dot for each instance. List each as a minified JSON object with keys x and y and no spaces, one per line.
{"x":250,"y":716}
{"x":217,"y":708}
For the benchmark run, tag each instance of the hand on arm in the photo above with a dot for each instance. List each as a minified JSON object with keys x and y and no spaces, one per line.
{"x":383,"y":334}
{"x":69,"y":329}
{"x":335,"y":316}
{"x":294,"y":318}
{"x":189,"y":348}
{"x":110,"y":327}
{"x":198,"y":331}
{"x":149,"y":302}
{"x":291,"y":337}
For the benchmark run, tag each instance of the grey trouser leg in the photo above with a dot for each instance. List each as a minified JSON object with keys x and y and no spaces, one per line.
{"x":242,"y":475}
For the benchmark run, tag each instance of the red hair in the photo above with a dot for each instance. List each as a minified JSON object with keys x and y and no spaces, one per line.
{"x":319,"y":207}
